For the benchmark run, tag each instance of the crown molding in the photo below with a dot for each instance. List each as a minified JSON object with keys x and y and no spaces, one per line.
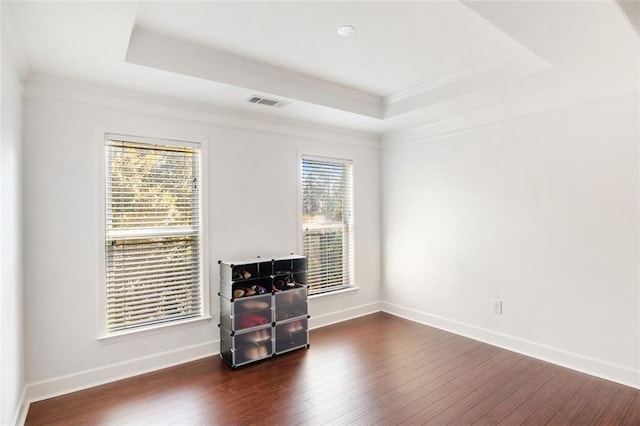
{"x":630,"y":10}
{"x":451,"y":78}
{"x":41,"y":88}
{"x":514,"y":64}
{"x":45,"y":88}
{"x":531,"y":105}
{"x":155,"y":50}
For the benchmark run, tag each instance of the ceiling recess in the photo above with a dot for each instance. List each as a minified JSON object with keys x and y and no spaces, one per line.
{"x":268,"y":102}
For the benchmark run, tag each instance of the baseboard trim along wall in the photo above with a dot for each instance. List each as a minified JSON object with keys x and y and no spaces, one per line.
{"x":591,"y":366}
{"x":61,"y":385}
{"x":22,"y":408}
{"x":343,"y":315}
{"x":38,"y":391}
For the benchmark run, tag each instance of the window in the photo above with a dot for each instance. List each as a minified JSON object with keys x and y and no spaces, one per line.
{"x":153,"y":233}
{"x":327,"y":234}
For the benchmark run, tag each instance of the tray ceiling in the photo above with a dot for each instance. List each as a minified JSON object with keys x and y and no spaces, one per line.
{"x":407,"y":63}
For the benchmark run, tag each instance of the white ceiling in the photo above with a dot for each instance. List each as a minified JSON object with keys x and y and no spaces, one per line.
{"x":398,"y":45}
{"x":409,"y":64}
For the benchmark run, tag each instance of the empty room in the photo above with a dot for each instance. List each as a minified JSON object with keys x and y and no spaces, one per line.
{"x":320,"y":212}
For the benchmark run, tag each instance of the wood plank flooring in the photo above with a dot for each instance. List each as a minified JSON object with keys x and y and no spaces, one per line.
{"x":377,"y":369}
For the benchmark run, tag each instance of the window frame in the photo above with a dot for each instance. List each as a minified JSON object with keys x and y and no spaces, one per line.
{"x":104,"y":134}
{"x":351,"y":222}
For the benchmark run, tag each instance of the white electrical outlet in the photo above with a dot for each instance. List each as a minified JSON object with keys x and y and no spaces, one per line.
{"x":496,"y":306}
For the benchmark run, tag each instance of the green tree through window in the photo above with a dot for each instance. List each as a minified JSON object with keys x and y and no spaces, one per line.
{"x":153,"y":262}
{"x":327,"y":223}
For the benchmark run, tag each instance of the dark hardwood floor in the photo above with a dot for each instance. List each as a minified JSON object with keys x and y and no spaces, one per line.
{"x":377,"y":369}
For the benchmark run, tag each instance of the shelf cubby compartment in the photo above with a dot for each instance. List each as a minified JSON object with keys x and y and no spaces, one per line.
{"x":248,"y":271}
{"x":246,"y":305}
{"x":284,"y":282}
{"x":291,"y":304}
{"x":245,"y":313}
{"x":248,"y":320}
{"x":244,"y":270}
{"x":291,"y":296}
{"x":291,"y":335}
{"x":246,"y":354}
{"x":291,"y":263}
{"x":246,"y":288}
{"x":295,"y":310}
{"x":236,"y":340}
{"x":300,"y":277}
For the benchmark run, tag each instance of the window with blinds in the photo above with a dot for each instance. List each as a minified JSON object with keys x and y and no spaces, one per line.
{"x":153,"y":233}
{"x":327,"y":240}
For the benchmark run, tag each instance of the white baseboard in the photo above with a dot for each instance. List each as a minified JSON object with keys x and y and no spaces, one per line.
{"x":324,"y":320}
{"x":61,"y":385}
{"x":21,"y":410}
{"x":89,"y":378}
{"x":591,"y":366}
{"x":85,"y":379}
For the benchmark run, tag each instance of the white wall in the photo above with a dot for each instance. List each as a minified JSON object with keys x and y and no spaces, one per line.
{"x":540,"y":211}
{"x":252,"y":194}
{"x":12,"y":370}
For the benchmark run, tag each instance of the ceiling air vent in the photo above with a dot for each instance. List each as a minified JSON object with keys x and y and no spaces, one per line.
{"x":267,"y":102}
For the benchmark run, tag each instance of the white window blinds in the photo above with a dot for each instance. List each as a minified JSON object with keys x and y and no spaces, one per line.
{"x":153,"y":260}
{"x":327,"y":238}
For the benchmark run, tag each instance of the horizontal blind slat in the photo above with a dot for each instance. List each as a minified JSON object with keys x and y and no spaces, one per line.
{"x":143,"y":302}
{"x":327,"y":206}
{"x":155,"y":280}
{"x":153,"y":245}
{"x":162,"y":314}
{"x":156,"y":267}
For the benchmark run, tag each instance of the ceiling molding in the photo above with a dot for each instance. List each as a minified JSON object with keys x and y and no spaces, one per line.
{"x":42,"y":88}
{"x":448,"y":79}
{"x":490,"y":54}
{"x":531,"y":105}
{"x":516,"y":64}
{"x":630,"y":9}
{"x":159,"y":51}
{"x":155,"y":50}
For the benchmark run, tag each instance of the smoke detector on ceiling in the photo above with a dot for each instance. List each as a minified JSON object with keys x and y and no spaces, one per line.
{"x":266,"y":101}
{"x":347,"y":30}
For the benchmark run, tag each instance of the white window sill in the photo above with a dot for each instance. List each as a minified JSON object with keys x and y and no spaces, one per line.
{"x":156,"y":329}
{"x":334,"y":293}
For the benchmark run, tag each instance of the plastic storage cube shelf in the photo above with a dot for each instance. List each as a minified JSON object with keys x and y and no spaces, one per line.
{"x":263,"y":308}
{"x":245,"y":277}
{"x":291,"y":303}
{"x":290,"y":335}
{"x":246,"y":312}
{"x":242,"y":348}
